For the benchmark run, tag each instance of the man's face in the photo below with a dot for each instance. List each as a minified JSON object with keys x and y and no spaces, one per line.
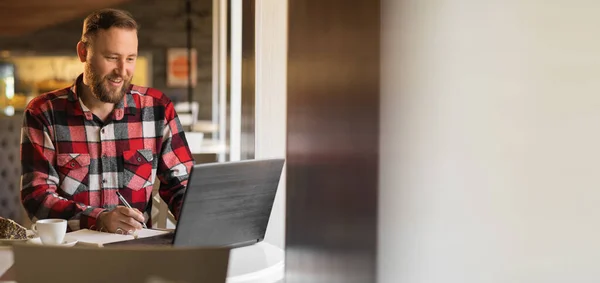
{"x":110,"y":63}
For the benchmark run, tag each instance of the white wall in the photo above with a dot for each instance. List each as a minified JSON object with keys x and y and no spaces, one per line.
{"x":271,"y":99}
{"x":490,"y":141}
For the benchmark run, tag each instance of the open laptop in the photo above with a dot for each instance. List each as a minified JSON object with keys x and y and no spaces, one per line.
{"x":225,"y":205}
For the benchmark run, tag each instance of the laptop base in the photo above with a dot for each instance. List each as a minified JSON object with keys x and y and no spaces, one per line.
{"x":158,"y":240}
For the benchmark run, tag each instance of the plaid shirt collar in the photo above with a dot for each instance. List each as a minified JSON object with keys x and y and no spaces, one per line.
{"x":126,"y":106}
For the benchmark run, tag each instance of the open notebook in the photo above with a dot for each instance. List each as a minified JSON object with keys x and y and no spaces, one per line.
{"x":96,"y":238}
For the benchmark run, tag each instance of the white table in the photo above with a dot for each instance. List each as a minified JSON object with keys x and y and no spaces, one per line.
{"x":258,"y":263}
{"x":199,"y":145}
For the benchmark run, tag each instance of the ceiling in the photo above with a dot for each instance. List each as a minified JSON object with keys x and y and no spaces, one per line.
{"x":23,"y":16}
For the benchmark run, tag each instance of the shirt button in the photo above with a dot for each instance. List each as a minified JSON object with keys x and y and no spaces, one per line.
{"x":102,"y":131}
{"x":103,"y":181}
{"x":72,"y":164}
{"x":139,"y":159}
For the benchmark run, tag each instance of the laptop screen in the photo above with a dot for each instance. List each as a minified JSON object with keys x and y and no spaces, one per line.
{"x":228,"y":204}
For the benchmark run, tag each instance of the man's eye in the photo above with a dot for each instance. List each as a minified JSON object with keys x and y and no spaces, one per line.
{"x":130,"y":59}
{"x":111,"y":58}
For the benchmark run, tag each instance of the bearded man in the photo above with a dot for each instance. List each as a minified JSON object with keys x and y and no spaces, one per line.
{"x":84,"y":145}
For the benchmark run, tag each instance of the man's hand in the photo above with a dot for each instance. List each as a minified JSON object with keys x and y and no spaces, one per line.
{"x":121,"y":220}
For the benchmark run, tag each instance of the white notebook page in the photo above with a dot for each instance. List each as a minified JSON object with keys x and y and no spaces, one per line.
{"x":86,"y":236}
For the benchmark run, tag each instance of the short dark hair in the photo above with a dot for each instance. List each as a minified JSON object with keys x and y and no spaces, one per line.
{"x":105,"y":19}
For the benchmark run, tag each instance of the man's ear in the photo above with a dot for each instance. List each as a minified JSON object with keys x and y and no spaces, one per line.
{"x":82,"y":51}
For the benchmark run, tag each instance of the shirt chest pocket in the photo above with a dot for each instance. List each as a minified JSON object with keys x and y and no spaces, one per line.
{"x":73,"y":171}
{"x":139,"y":170}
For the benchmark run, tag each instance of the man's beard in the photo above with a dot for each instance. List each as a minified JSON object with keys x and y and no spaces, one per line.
{"x":101,"y":87}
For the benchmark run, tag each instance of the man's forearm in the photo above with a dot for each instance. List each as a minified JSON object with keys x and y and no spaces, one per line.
{"x":43,"y":202}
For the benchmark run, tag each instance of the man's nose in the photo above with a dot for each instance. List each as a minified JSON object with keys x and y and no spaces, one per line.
{"x":121,"y":68}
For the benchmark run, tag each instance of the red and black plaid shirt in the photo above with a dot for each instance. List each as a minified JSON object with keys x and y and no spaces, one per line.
{"x":73,"y":163}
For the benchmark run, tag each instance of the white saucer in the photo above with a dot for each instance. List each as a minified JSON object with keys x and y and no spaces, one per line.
{"x":68,"y":242}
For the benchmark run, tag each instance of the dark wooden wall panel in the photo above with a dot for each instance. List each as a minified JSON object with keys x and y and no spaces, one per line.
{"x":333,"y":128}
{"x":247,"y":149}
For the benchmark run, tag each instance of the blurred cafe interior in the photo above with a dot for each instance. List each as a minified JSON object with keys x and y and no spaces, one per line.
{"x":38,"y":55}
{"x":200,"y":53}
{"x":251,"y":79}
{"x":424,"y":141}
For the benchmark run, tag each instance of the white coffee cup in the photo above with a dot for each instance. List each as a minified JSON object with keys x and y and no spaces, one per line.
{"x":51,"y":231}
